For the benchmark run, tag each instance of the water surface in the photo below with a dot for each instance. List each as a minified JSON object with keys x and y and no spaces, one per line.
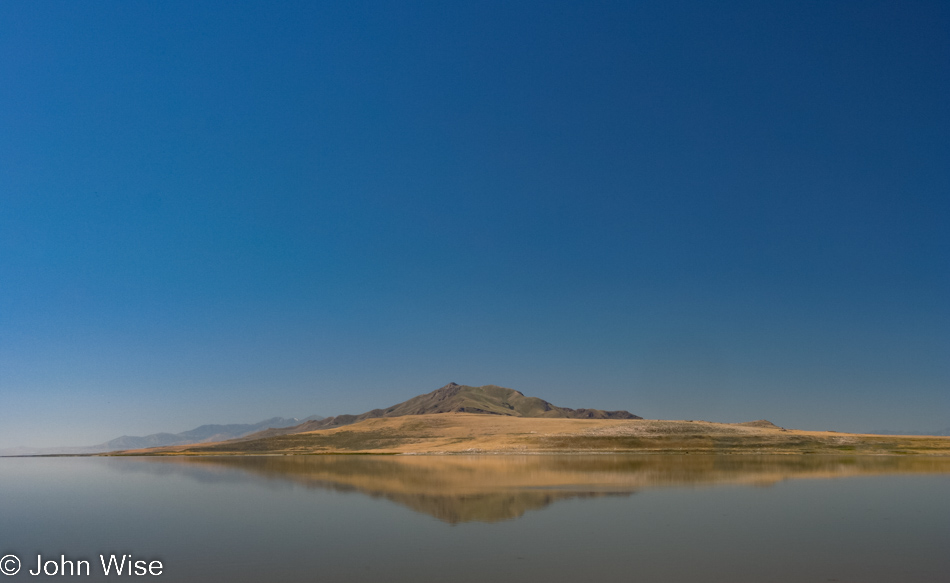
{"x":503,"y":518}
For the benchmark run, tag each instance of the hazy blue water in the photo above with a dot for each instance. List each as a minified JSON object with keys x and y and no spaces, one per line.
{"x":380,"y":519}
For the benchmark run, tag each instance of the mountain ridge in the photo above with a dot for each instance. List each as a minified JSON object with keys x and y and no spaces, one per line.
{"x":201,"y":434}
{"x":455,"y":398}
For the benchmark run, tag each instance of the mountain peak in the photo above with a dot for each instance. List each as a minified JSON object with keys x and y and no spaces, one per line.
{"x":456,"y":398}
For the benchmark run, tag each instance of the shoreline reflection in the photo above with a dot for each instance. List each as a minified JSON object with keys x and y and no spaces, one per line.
{"x":458,"y":489}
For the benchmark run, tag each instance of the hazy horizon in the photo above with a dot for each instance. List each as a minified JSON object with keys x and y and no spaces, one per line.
{"x":72,"y":442}
{"x":224,"y":212}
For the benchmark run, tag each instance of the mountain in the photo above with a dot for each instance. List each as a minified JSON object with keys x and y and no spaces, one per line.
{"x":202,"y":434}
{"x":454,"y":398}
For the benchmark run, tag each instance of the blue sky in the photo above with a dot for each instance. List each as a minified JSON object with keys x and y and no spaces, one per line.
{"x":222,"y":212}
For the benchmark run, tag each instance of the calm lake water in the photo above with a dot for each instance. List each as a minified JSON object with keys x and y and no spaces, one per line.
{"x":489,"y":518}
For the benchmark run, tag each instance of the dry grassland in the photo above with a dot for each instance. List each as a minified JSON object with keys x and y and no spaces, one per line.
{"x":460,"y":433}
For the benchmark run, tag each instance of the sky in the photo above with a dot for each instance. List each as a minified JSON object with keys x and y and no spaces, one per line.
{"x":220,"y":212}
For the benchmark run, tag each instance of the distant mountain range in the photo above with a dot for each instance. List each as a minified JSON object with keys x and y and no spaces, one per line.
{"x":454,"y":398}
{"x":202,"y":434}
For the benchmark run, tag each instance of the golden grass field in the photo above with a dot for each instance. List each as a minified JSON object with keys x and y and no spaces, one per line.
{"x":461,"y":433}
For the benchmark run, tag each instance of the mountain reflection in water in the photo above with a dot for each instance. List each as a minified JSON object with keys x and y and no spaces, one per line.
{"x":458,"y":489}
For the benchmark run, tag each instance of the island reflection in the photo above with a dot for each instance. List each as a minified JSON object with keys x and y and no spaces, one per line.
{"x":458,"y":489}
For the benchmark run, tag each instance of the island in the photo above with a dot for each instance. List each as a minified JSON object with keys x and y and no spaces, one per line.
{"x":459,"y":419}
